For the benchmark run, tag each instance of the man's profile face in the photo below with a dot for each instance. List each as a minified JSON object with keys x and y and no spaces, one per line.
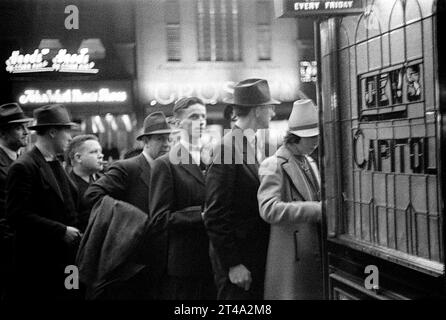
{"x":158,"y":144}
{"x":90,"y":156}
{"x":308,"y":144}
{"x":16,"y":136}
{"x":193,"y":121}
{"x":264,"y":115}
{"x":61,"y":139}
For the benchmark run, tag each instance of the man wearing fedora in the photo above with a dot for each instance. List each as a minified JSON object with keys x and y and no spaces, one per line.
{"x":176,"y":201}
{"x":41,"y":205}
{"x":13,"y":136}
{"x":289,"y":200}
{"x":239,"y":237}
{"x":129,"y":181}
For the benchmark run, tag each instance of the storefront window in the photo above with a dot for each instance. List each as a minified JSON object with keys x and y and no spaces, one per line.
{"x":385,"y":161}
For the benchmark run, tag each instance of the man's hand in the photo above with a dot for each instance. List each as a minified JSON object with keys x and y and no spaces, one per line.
{"x":72,"y":235}
{"x":240,"y":276}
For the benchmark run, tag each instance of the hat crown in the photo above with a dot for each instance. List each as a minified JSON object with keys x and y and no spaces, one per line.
{"x":252,"y":92}
{"x":52,"y":115}
{"x":12,"y":113}
{"x":154,"y":122}
{"x":303,"y":118}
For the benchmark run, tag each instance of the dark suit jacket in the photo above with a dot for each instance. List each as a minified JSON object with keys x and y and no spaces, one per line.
{"x":84,"y":207}
{"x":238,"y":234}
{"x":125,"y":180}
{"x":6,"y":233}
{"x":5,"y":163}
{"x":36,"y":209}
{"x":176,"y":204}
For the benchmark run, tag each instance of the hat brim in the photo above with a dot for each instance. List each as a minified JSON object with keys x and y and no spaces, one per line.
{"x":24,"y":120}
{"x":306,"y":133}
{"x":69,"y":124}
{"x":232,"y":102}
{"x":163,"y":131}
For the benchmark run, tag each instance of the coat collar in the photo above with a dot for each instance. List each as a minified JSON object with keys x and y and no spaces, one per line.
{"x":144,"y":167}
{"x":294,"y":172}
{"x":47,"y":173}
{"x":186,"y":162}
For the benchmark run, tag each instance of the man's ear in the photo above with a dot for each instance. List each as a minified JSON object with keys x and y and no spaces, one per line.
{"x":77,"y":157}
{"x":52,"y":132}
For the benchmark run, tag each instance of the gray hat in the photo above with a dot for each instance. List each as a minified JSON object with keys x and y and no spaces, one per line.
{"x":156,"y":123}
{"x":252,"y":93}
{"x":11,"y":113}
{"x":52,"y":115}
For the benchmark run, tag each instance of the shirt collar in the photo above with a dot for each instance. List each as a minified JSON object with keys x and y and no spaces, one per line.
{"x":10,"y":153}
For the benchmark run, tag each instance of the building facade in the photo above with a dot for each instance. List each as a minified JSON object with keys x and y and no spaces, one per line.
{"x":204,"y":47}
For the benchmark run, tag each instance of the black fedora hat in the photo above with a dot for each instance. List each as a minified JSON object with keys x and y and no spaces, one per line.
{"x":11,"y":113}
{"x":156,"y":123}
{"x":252,"y":93}
{"x":52,"y":115}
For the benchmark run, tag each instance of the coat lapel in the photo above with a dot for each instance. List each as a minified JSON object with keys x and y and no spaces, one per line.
{"x":5,"y":162}
{"x":46,"y":172}
{"x":145,"y":170}
{"x":295,"y":173}
{"x":190,"y":167}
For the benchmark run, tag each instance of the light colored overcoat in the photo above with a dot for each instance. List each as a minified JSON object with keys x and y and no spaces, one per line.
{"x":294,"y":268}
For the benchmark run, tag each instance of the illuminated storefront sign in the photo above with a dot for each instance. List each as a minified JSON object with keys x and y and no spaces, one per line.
{"x":103,"y":95}
{"x":308,"y":71}
{"x":292,"y":8}
{"x":389,"y":90}
{"x":62,"y":62}
{"x":212,"y":92}
{"x":404,"y":155}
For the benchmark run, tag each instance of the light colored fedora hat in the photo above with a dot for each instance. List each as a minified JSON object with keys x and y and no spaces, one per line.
{"x":303,"y":120}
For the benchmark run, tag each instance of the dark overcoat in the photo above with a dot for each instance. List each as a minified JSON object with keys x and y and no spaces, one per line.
{"x":5,"y":163}
{"x":6,"y":233}
{"x":128,"y":180}
{"x":237,"y":233}
{"x":36,"y":209}
{"x":176,"y":202}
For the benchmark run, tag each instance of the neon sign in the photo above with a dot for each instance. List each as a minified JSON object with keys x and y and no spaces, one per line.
{"x":62,"y":62}
{"x":72,"y":96}
{"x":18,"y":63}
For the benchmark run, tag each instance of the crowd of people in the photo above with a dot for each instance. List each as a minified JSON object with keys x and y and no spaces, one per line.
{"x":166,"y":223}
